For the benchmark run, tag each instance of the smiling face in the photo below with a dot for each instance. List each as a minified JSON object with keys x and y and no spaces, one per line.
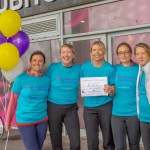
{"x":97,"y":53}
{"x":37,"y":63}
{"x":67,"y":56}
{"x":142,"y":56}
{"x":124,"y":54}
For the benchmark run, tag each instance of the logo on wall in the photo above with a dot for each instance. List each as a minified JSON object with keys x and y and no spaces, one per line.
{"x":18,"y":4}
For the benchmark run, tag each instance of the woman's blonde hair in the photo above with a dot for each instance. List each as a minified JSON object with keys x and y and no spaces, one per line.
{"x":100,"y":44}
{"x":70,"y":47}
{"x":144,"y":46}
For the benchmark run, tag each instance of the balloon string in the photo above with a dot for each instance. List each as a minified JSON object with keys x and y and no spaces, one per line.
{"x":4,"y":88}
{"x":6,"y":94}
{"x":2,"y":103}
{"x":6,"y":141}
{"x":8,"y":79}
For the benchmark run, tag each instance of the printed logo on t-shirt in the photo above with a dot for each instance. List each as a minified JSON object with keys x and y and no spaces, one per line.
{"x":66,"y":80}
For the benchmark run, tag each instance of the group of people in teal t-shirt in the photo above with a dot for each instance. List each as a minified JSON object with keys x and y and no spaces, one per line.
{"x":121,"y":109}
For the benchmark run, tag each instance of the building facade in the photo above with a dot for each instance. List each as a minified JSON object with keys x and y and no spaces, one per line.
{"x":50,"y":23}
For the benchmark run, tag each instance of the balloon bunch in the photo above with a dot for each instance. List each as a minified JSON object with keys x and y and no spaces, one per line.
{"x":13,"y":44}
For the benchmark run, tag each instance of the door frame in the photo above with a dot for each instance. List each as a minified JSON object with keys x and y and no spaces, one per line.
{"x":102,"y":37}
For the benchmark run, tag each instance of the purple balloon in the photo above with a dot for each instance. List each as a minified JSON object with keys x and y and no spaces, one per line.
{"x":3,"y":39}
{"x":21,"y":41}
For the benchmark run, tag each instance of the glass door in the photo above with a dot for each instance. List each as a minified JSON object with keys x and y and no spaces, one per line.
{"x":82,"y":46}
{"x":131,"y":37}
{"x":82,"y":54}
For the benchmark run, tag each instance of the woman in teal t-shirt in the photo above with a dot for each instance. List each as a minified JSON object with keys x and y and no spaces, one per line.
{"x":98,"y":108}
{"x":29,"y":99}
{"x":62,"y":99}
{"x":124,"y":114}
{"x":142,"y":54}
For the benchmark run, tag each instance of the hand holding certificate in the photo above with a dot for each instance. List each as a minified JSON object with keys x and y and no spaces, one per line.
{"x":93,"y":86}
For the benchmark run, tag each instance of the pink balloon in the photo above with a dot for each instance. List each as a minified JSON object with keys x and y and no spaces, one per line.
{"x":21,"y":41}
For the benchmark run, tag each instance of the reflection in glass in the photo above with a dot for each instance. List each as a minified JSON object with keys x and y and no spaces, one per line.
{"x":132,"y":40}
{"x":107,"y":16}
{"x":82,"y":50}
{"x":49,"y":48}
{"x":82,"y":54}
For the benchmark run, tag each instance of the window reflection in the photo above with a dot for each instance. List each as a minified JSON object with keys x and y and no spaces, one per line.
{"x":82,"y":54}
{"x":132,"y":40}
{"x":49,"y":48}
{"x":107,"y":16}
{"x":82,"y":50}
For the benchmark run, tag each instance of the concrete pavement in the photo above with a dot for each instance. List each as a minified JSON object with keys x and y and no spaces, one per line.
{"x":15,"y":142}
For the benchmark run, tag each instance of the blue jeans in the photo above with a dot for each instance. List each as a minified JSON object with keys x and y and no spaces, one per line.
{"x":33,"y":136}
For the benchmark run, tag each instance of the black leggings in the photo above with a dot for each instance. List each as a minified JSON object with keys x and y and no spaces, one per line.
{"x":67,"y":114}
{"x":122,"y":126}
{"x":145,"y":131}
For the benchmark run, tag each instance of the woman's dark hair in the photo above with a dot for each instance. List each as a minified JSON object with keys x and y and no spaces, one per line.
{"x":38,"y":53}
{"x":124,"y":44}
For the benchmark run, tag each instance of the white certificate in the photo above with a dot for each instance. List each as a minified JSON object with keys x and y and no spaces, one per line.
{"x":93,"y":86}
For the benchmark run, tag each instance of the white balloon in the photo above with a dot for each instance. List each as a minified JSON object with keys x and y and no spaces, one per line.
{"x":13,"y":73}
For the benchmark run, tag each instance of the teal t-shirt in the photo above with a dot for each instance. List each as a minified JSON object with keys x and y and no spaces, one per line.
{"x":143,"y":102}
{"x":106,"y":70}
{"x":64,"y":83}
{"x":124,"y":103}
{"x":32,"y":100}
